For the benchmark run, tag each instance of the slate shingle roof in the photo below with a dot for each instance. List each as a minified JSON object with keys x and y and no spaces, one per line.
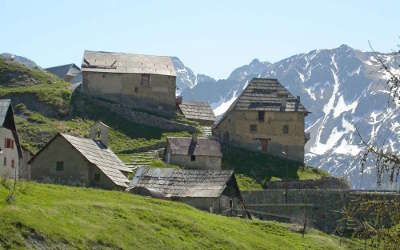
{"x":66,"y":72}
{"x":169,"y":182}
{"x":266,"y":94}
{"x":186,"y":146}
{"x":112,"y":62}
{"x":102,"y":157}
{"x":197,"y":111}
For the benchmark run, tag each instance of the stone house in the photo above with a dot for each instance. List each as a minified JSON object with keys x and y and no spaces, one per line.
{"x":143,"y":82}
{"x":265,"y":117}
{"x":200,"y":112}
{"x":195,"y":153}
{"x":71,"y":160}
{"x":68,"y":72}
{"x":10,"y":148}
{"x":215,"y":191}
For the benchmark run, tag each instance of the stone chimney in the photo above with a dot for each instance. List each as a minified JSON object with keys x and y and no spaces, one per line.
{"x":283,"y":103}
{"x":296,"y":105}
{"x":99,"y":132}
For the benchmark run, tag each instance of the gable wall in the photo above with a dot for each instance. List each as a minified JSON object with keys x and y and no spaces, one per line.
{"x":76,"y":168}
{"x":118,"y":87}
{"x":237,"y":125}
{"x":201,"y":162}
{"x":8,"y":153}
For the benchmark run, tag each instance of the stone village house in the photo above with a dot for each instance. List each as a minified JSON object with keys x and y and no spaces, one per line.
{"x":10,"y":148}
{"x":215,"y":191}
{"x":194,"y":153}
{"x":71,"y":160}
{"x":138,"y":81}
{"x":200,"y":112}
{"x":265,"y":117}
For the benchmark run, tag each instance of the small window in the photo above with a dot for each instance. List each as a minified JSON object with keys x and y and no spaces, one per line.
{"x":285,"y":129}
{"x":97,"y":176}
{"x":261,"y":115}
{"x":145,"y":80}
{"x":136,"y":90}
{"x":253,"y":128}
{"x":5,"y":161}
{"x":12,"y":163}
{"x":230,"y":204}
{"x":192,"y":158}
{"x":9,"y":143}
{"x":60,"y":166}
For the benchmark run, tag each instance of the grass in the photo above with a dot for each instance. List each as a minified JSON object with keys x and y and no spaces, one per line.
{"x":255,"y":168}
{"x":60,"y":217}
{"x":16,"y":79}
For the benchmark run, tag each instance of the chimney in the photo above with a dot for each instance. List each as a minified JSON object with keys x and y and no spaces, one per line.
{"x":283,"y":104}
{"x":296,"y":105}
{"x":99,"y":132}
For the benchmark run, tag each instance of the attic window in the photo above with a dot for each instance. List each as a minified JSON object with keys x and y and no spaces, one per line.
{"x":145,"y":80}
{"x":192,"y":158}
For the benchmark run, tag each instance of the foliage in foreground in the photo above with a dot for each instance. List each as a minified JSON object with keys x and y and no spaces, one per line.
{"x":55,"y":216}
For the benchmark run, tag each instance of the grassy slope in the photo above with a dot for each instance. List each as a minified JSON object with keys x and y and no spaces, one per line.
{"x":254,"y":168}
{"x":67,"y":217}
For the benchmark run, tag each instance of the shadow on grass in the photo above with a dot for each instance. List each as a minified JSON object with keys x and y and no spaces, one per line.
{"x":259,"y":166}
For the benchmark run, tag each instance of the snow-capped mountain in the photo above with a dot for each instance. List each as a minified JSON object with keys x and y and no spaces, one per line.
{"x":343,"y":88}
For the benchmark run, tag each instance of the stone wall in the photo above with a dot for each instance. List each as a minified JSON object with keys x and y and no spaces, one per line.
{"x":323,"y":183}
{"x":243,"y":128}
{"x":200,"y":161}
{"x":81,"y":100}
{"x":320,"y":207}
{"x":157,"y":95}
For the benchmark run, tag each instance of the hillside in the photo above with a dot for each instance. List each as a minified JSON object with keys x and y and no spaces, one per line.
{"x":44,"y":105}
{"x":59,"y":217}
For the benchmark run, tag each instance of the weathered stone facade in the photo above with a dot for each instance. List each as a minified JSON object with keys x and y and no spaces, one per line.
{"x":137,"y":81}
{"x":194,"y":153}
{"x":200,"y":161}
{"x":278,"y":132}
{"x":76,"y":170}
{"x":265,"y":117}
{"x":157,"y":96}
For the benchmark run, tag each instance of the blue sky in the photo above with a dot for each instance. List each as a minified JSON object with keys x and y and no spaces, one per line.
{"x":211,"y":37}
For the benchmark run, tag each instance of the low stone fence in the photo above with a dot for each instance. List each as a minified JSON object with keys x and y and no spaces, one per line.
{"x":321,"y":208}
{"x":323,"y":183}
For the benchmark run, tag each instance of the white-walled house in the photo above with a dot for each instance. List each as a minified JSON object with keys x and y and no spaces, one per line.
{"x":10,"y":149}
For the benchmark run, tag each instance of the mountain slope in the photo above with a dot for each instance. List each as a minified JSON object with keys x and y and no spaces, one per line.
{"x":342,"y":87}
{"x":60,"y":217}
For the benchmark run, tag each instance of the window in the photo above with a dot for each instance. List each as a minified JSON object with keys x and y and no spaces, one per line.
{"x":145,"y":80}
{"x":97,"y":176}
{"x":253,"y":128}
{"x":261,"y":116}
{"x":60,"y":166}
{"x":285,"y":129}
{"x":9,"y":143}
{"x":5,"y":161}
{"x":192,"y":158}
{"x":136,"y":90}
{"x":12,"y":163}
